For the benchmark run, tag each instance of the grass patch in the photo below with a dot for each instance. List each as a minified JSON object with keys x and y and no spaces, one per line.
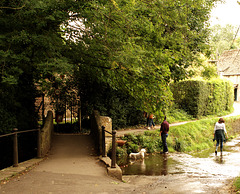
{"x":178,"y":115}
{"x":198,"y":135}
{"x":237,"y":185}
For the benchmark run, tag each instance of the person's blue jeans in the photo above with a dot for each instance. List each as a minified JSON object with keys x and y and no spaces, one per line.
{"x":164,"y":141}
{"x":151,"y":123}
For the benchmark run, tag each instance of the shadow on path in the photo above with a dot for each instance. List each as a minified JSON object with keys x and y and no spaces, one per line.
{"x":71,"y":167}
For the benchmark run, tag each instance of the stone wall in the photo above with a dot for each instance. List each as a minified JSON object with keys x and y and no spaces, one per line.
{"x":46,"y":134}
{"x":97,"y":122}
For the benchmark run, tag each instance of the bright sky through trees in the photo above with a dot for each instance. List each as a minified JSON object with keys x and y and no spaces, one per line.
{"x":226,"y":13}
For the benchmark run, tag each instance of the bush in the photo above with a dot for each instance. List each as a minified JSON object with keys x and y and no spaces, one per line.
{"x":132,"y":147}
{"x":150,"y":141}
{"x":176,"y":115}
{"x":200,"y":98}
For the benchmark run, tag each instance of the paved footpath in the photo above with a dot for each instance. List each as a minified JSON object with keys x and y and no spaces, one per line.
{"x":71,"y":167}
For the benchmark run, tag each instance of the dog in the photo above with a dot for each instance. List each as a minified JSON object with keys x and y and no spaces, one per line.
{"x":140,"y":154}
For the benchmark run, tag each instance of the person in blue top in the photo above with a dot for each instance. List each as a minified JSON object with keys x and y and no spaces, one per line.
{"x":220,"y":134}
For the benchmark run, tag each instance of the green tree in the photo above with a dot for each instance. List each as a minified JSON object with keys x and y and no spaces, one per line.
{"x":135,"y":46}
{"x":205,"y":69}
{"x":140,"y":46}
{"x":31,"y":47}
{"x":223,"y":38}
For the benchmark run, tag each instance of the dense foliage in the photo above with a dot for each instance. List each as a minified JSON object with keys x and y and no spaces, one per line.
{"x":134,"y":47}
{"x":139,"y":46}
{"x":116,"y":104}
{"x":30,"y":52}
{"x":201,"y":98}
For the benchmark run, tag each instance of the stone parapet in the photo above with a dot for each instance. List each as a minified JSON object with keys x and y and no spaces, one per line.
{"x":97,"y":122}
{"x":46,"y":134}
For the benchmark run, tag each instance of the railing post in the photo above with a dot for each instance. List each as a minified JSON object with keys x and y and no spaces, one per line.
{"x":15,"y":148}
{"x":39,"y":143}
{"x":43,"y":108}
{"x":113,"y":164}
{"x":103,"y":142}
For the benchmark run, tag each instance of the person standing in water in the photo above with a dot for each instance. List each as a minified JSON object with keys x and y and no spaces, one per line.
{"x":164,"y":134}
{"x":219,"y":134}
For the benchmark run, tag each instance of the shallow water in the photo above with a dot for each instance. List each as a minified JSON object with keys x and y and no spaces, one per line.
{"x":204,"y":164}
{"x":153,"y":164}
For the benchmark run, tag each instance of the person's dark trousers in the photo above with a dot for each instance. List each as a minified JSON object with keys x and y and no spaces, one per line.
{"x":220,"y":141}
{"x":164,"y":141}
{"x":151,"y":123}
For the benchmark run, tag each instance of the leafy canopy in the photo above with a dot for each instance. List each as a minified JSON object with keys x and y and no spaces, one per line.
{"x":135,"y":46}
{"x":31,"y":47}
{"x":139,"y":46}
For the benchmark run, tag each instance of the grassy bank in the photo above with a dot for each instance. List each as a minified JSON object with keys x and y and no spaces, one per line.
{"x":190,"y":137}
{"x":198,"y":135}
{"x":236,"y":185}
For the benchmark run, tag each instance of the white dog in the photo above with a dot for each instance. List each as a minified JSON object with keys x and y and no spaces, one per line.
{"x":138,"y":155}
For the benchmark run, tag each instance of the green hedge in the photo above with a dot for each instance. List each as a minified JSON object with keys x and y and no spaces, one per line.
{"x":201,"y":98}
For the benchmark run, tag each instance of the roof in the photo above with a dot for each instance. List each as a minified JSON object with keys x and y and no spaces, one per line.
{"x":229,"y":62}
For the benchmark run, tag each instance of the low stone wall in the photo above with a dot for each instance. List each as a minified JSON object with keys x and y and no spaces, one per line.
{"x":97,"y":122}
{"x":46,"y":134}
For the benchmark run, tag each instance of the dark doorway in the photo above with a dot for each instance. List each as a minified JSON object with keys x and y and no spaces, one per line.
{"x":235,"y":94}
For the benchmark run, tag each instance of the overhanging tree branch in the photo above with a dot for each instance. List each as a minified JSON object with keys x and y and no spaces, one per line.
{"x":12,"y":7}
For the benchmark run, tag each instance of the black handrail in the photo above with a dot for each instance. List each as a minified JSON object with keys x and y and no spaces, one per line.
{"x":15,"y":143}
{"x":113,"y":162}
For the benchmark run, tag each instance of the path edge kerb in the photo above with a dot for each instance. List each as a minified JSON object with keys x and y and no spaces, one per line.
{"x":113,"y":172}
{"x":8,"y":173}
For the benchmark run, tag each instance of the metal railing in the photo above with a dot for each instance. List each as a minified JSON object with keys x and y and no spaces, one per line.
{"x":113,"y":157}
{"x":15,"y":143}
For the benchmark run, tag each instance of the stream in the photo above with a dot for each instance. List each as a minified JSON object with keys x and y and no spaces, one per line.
{"x":204,"y":164}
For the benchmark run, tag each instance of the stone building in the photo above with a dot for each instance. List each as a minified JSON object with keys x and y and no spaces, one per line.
{"x":228,"y":66}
